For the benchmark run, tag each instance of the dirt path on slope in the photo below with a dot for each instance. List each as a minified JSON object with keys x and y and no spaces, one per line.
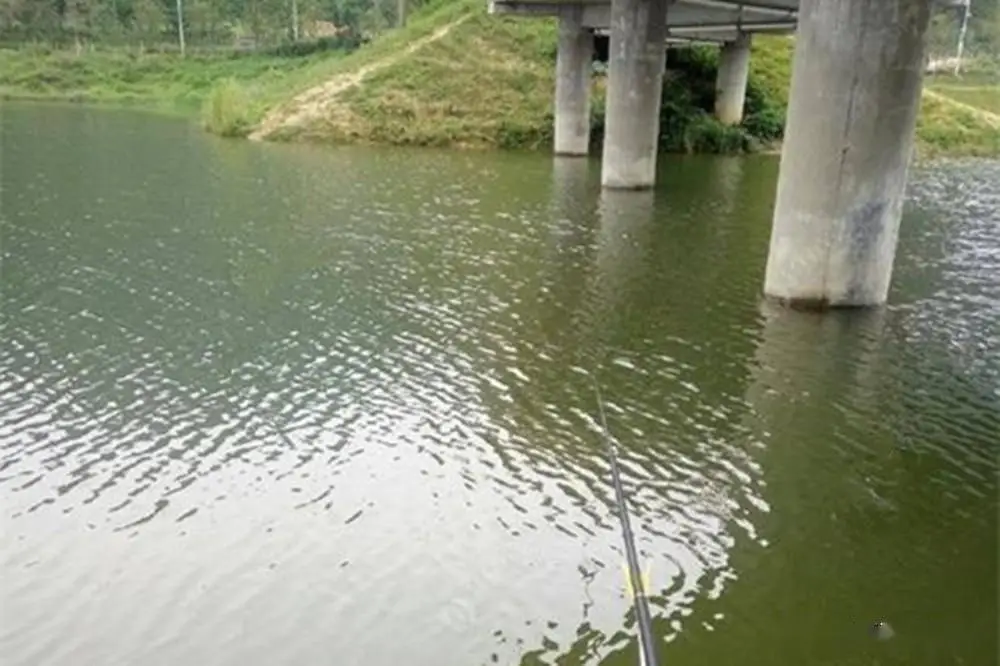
{"x":988,"y":117}
{"x":315,"y":102}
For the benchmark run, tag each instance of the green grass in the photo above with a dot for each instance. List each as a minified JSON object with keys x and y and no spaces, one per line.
{"x":944,"y":128}
{"x":231,"y":90}
{"x":228,"y":110}
{"x":245,"y":85}
{"x":263,"y":94}
{"x":160,"y":79}
{"x":979,"y":90}
{"x":960,"y":115}
{"x":771,"y":65}
{"x":986,"y":98}
{"x":487,"y":83}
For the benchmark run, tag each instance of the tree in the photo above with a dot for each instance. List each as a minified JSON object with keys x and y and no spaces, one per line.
{"x":148,"y":20}
{"x":77,"y":16}
{"x":191,"y":21}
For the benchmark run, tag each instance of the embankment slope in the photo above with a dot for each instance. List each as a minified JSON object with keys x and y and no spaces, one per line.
{"x":457,"y":76}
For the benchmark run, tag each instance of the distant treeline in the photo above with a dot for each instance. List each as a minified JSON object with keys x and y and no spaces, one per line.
{"x":241,"y":24}
{"x":312,"y":24}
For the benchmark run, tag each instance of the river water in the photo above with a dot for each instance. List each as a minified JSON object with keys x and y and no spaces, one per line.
{"x":267,"y":404}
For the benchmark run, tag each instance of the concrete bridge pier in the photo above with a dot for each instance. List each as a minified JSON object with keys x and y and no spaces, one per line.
{"x":574,"y":60}
{"x":636,"y":58}
{"x":852,"y":112}
{"x":731,"y":80}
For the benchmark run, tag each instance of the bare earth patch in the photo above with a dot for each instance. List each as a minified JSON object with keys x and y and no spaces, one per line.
{"x":320,"y":101}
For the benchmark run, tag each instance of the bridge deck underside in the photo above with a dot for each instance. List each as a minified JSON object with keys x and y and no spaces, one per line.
{"x":687,"y":20}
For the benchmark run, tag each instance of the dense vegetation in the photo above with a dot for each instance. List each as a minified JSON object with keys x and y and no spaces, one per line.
{"x":196,"y":24}
{"x":453,"y":76}
{"x":253,"y":24}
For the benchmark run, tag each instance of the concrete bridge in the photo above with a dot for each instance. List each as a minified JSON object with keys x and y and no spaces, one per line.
{"x":852,"y":111}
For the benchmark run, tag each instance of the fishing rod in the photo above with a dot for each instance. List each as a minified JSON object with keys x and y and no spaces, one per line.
{"x":646,"y":640}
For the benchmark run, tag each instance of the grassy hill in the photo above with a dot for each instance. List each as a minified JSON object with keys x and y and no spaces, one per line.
{"x":455,"y":76}
{"x":119,"y":76}
{"x":459,"y":77}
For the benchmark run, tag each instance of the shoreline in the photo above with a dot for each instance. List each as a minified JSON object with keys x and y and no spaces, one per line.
{"x":191,"y":113}
{"x":396,"y":92}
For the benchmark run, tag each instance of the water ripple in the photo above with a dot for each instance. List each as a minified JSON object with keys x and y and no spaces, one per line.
{"x":230,"y":423}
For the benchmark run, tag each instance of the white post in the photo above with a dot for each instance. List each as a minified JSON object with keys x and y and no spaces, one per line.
{"x":180,"y":25}
{"x":961,"y":38}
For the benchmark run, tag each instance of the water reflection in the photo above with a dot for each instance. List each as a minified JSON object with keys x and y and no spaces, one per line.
{"x":278,"y":403}
{"x":569,"y":245}
{"x":623,"y":242}
{"x":726,"y":180}
{"x":688,"y":514}
{"x":839,"y":370}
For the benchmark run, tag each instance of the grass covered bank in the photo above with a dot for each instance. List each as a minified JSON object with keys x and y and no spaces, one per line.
{"x":960,"y":115}
{"x":118,"y":75}
{"x":459,"y":77}
{"x":455,"y":76}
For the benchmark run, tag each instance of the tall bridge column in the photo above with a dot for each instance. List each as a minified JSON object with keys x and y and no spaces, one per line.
{"x":855,"y":93}
{"x":574,"y":60}
{"x":731,"y":80}
{"x":636,"y":55}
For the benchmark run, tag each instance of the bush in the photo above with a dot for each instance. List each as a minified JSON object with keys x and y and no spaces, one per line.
{"x":687,"y":123}
{"x":346,"y":42}
{"x":512,"y":135}
{"x":228,"y":111}
{"x":691,"y":71}
{"x":768,"y":124}
{"x":677,"y":109}
{"x":705,"y":134}
{"x":763,"y":116}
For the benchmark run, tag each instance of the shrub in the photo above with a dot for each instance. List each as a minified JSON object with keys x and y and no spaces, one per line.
{"x":687,"y":104}
{"x":705,"y":134}
{"x":763,"y":116}
{"x":514,"y":135}
{"x":228,"y":110}
{"x":346,"y":42}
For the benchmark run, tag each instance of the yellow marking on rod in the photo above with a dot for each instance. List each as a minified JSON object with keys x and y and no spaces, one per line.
{"x":643,"y":580}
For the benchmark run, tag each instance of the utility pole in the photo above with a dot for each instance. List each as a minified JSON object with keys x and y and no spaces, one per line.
{"x":180,"y":25}
{"x":961,"y":38}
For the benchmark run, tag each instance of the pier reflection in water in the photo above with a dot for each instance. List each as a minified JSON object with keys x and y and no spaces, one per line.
{"x":282,"y":404}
